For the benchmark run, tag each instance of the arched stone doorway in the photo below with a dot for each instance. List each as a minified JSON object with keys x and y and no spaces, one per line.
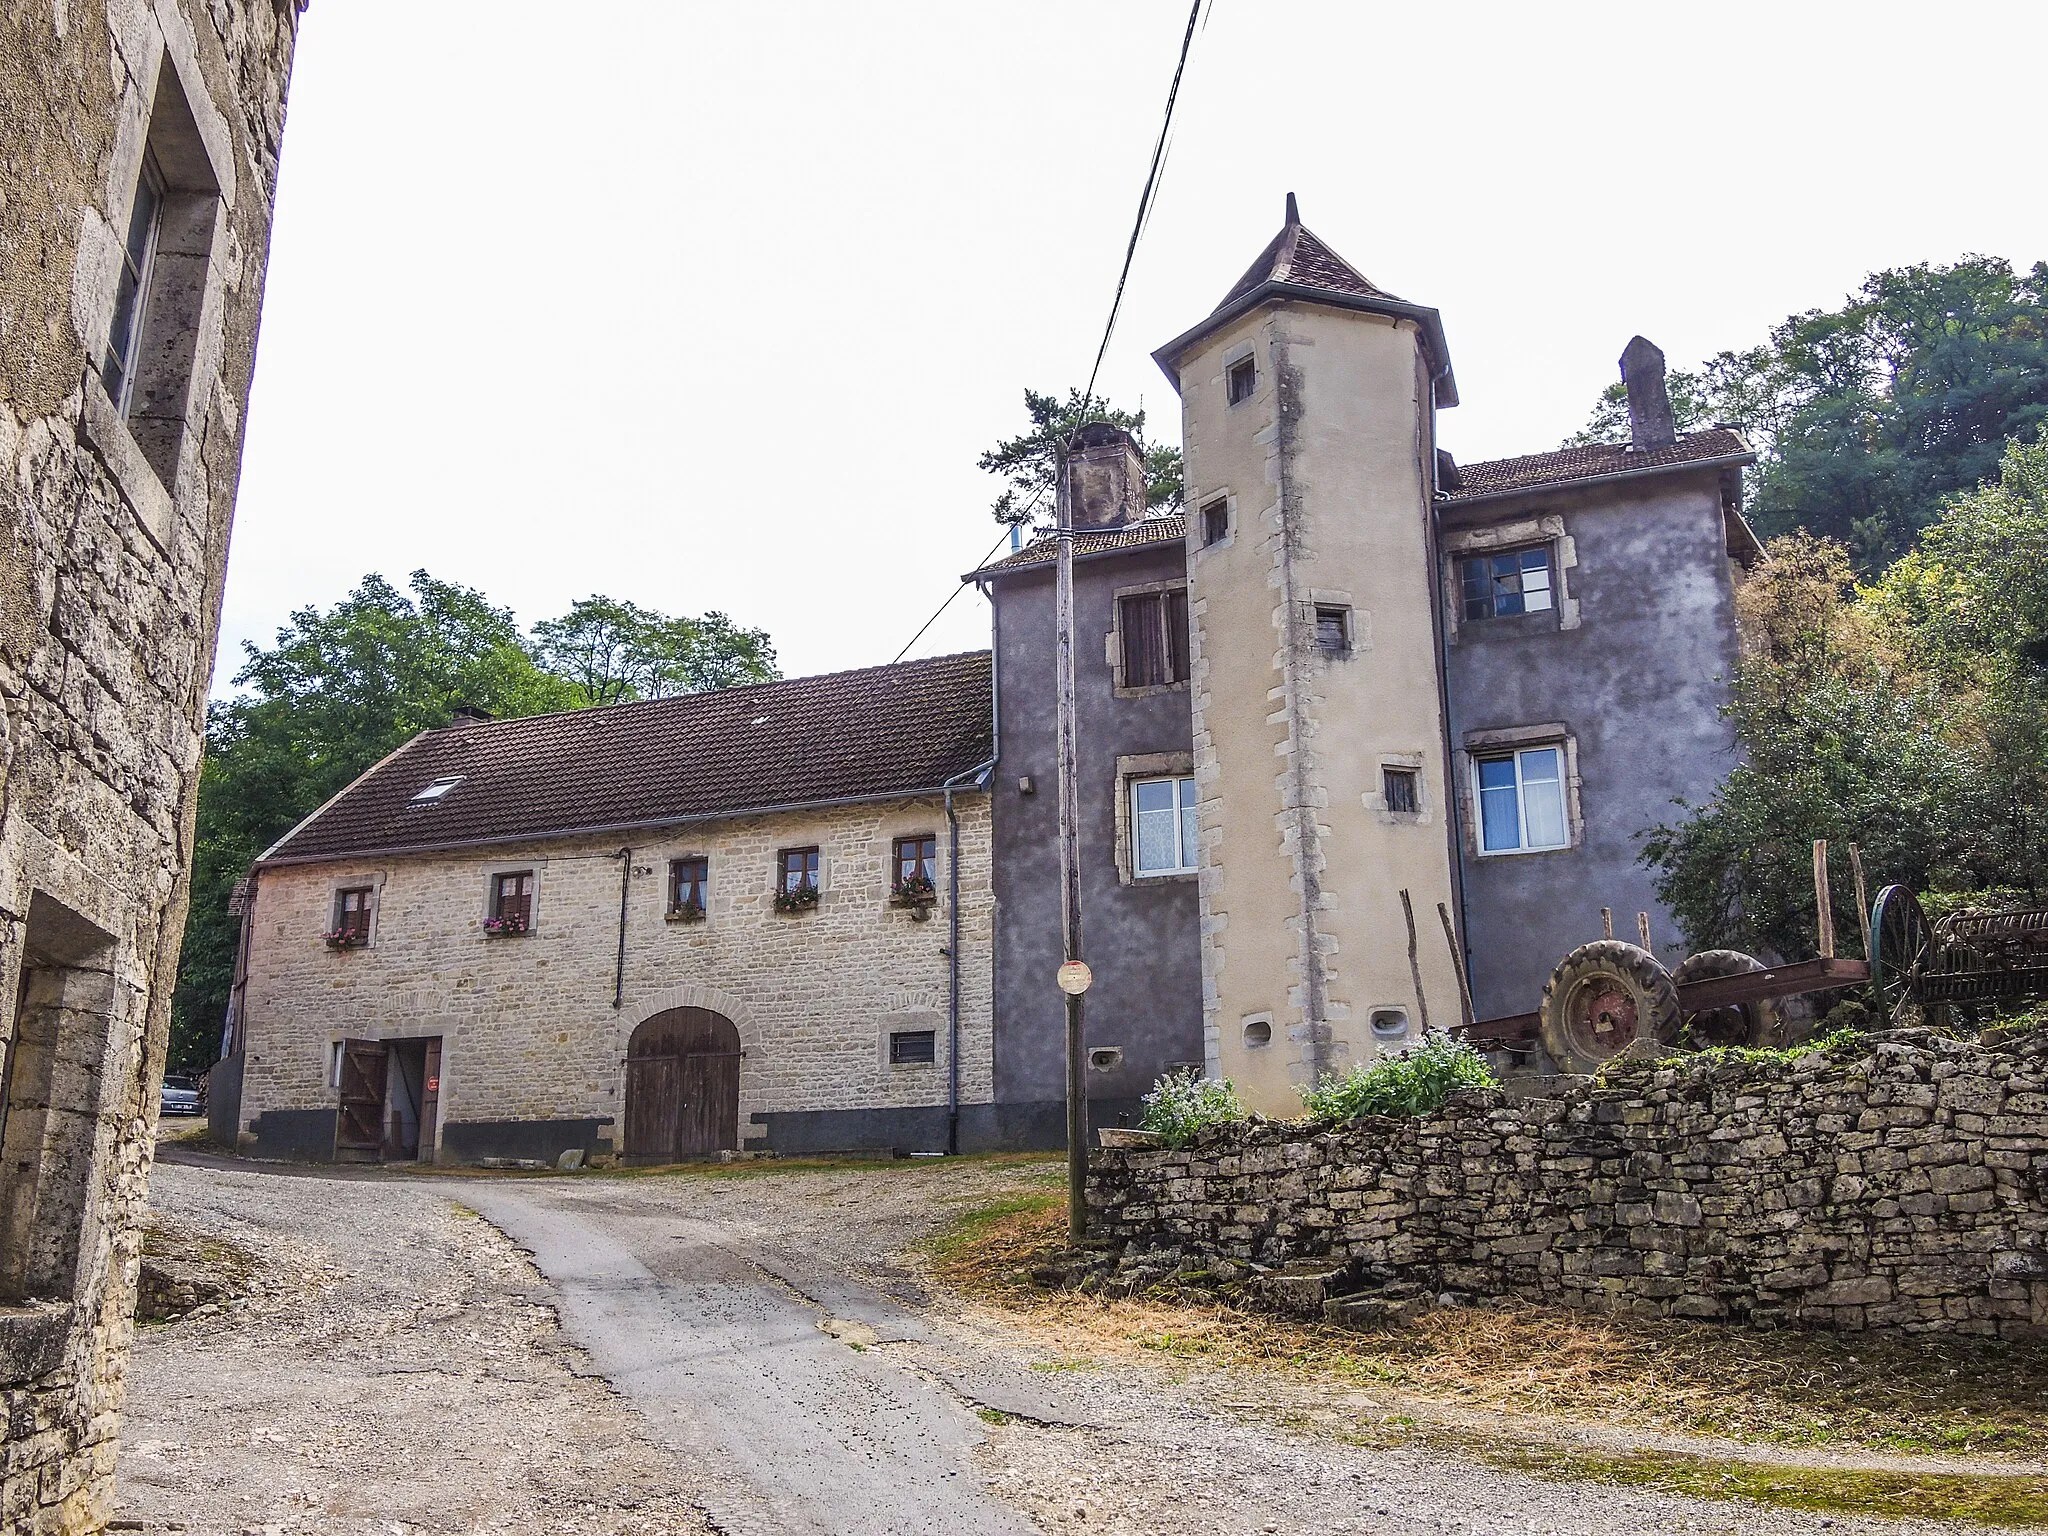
{"x":682,"y":1087}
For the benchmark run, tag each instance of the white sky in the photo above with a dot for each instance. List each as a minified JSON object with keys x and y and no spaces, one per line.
{"x":713,"y":306}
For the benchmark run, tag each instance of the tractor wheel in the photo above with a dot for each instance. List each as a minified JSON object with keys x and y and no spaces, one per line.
{"x":1902,"y":950}
{"x":1602,"y":998}
{"x":1760,"y":1023}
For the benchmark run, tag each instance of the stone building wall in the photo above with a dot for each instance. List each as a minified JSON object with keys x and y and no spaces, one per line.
{"x":113,"y":546}
{"x":1900,"y":1185}
{"x":531,"y":1041}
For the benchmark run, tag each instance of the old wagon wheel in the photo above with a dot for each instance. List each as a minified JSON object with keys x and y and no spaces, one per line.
{"x":1758,"y":1023}
{"x":1902,"y":949}
{"x":1602,"y":998}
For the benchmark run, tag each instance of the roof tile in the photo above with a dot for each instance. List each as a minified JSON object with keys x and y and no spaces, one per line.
{"x":1153,"y":530}
{"x":1496,"y":477}
{"x":898,"y":729}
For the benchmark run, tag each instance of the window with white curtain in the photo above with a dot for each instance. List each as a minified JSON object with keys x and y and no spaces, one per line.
{"x":1521,"y":800}
{"x":1162,"y":826}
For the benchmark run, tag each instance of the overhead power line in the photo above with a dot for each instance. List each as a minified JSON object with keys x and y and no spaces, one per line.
{"x":1146,"y":201}
{"x":1145,"y":198}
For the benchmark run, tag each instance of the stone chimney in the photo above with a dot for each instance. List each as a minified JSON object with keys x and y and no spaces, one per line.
{"x":1105,"y":477}
{"x":1649,"y":402}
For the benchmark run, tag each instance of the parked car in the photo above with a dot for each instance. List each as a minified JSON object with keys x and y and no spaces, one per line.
{"x":181,"y":1096}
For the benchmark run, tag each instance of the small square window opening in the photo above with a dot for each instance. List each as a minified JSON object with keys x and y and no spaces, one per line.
{"x":1521,"y":801}
{"x":1163,"y":835}
{"x":916,"y":865}
{"x":1333,"y":630}
{"x":512,"y":902}
{"x":1500,"y":586}
{"x":352,"y":914}
{"x":1216,"y":521}
{"x":1241,"y":379}
{"x":799,"y":871}
{"x":913,"y":1047}
{"x":1401,"y":790}
{"x":688,"y":885}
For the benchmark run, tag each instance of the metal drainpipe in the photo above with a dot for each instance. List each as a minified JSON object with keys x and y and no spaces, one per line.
{"x":625,"y":858}
{"x":953,"y":956}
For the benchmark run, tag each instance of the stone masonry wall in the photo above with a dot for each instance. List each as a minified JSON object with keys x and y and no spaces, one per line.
{"x":1898,"y":1185}
{"x":114,"y":529}
{"x":527,"y":1023}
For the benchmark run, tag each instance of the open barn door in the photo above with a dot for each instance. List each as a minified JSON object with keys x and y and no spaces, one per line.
{"x":359,"y":1125}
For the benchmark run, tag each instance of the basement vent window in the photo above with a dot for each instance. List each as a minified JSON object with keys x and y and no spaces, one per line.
{"x":1241,"y":379}
{"x":437,"y":790}
{"x":1106,"y":1058}
{"x":1401,"y":789}
{"x":1257,"y":1033}
{"x":1389,"y":1024}
{"x":913,"y":1047}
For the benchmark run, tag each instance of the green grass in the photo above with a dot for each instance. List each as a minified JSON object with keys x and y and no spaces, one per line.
{"x":991,"y":1415}
{"x":967,"y":1231}
{"x":1980,"y":1499}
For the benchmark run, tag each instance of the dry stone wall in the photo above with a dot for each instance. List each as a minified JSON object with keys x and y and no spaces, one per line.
{"x":1900,"y":1184}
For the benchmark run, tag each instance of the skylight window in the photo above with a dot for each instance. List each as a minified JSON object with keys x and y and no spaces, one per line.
{"x":437,"y":789}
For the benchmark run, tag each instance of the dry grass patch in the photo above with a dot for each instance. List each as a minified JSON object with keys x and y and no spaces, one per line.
{"x":1784,"y":1387}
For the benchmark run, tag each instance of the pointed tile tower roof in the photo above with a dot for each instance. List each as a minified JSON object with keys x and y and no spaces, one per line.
{"x":1297,"y":265}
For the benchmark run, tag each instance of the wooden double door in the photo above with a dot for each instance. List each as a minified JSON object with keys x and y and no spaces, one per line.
{"x":682,"y":1087}
{"x":390,"y":1108}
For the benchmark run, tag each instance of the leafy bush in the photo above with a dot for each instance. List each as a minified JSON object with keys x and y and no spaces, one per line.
{"x":1412,"y":1083}
{"x":1182,"y":1103}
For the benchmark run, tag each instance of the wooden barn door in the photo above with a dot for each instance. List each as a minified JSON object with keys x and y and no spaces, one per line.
{"x":682,"y":1086}
{"x":359,"y":1125}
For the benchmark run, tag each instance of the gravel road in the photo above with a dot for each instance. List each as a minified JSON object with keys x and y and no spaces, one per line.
{"x":762,"y":1359}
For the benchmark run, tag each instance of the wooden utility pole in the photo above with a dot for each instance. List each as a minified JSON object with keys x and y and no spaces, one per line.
{"x":1070,"y":853}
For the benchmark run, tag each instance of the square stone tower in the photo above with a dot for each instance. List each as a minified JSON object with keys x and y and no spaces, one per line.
{"x":1308,"y":404}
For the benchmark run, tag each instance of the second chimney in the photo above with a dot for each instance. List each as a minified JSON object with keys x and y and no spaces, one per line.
{"x":1105,"y":478}
{"x":1649,"y":400}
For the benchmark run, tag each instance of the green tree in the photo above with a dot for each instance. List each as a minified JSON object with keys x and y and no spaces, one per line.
{"x":1909,"y":716}
{"x":1868,"y":417}
{"x":610,"y":650}
{"x":1027,"y":462}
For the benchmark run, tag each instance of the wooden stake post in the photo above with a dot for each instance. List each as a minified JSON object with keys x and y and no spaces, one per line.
{"x":1862,"y":897}
{"x":1823,"y":902}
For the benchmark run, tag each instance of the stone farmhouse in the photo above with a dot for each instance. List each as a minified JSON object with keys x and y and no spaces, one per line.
{"x":141,"y":152}
{"x":752,"y":918}
{"x":1354,"y":700}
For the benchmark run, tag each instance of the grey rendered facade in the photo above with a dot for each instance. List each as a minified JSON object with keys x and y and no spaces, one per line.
{"x":1139,"y":933}
{"x":1629,"y":669}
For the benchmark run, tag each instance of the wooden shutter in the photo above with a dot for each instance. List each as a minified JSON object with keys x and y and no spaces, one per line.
{"x":1176,"y":613}
{"x":1144,"y":648}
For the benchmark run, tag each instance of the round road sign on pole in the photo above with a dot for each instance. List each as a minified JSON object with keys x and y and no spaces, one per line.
{"x":1075,"y":977}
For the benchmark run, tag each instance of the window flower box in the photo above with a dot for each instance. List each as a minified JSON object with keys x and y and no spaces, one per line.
{"x":345,"y":938}
{"x":504,"y":927}
{"x":687,"y":912}
{"x":917,"y":895}
{"x":801,"y":898}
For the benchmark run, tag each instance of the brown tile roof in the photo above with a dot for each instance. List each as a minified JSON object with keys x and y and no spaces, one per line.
{"x":1296,"y":256}
{"x":848,"y":735}
{"x":1500,"y":477}
{"x":1040,"y":551}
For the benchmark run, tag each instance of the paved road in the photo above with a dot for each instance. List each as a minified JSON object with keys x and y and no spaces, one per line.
{"x":727,"y":1353}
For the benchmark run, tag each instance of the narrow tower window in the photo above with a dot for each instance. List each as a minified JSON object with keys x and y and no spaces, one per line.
{"x":1240,"y":379}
